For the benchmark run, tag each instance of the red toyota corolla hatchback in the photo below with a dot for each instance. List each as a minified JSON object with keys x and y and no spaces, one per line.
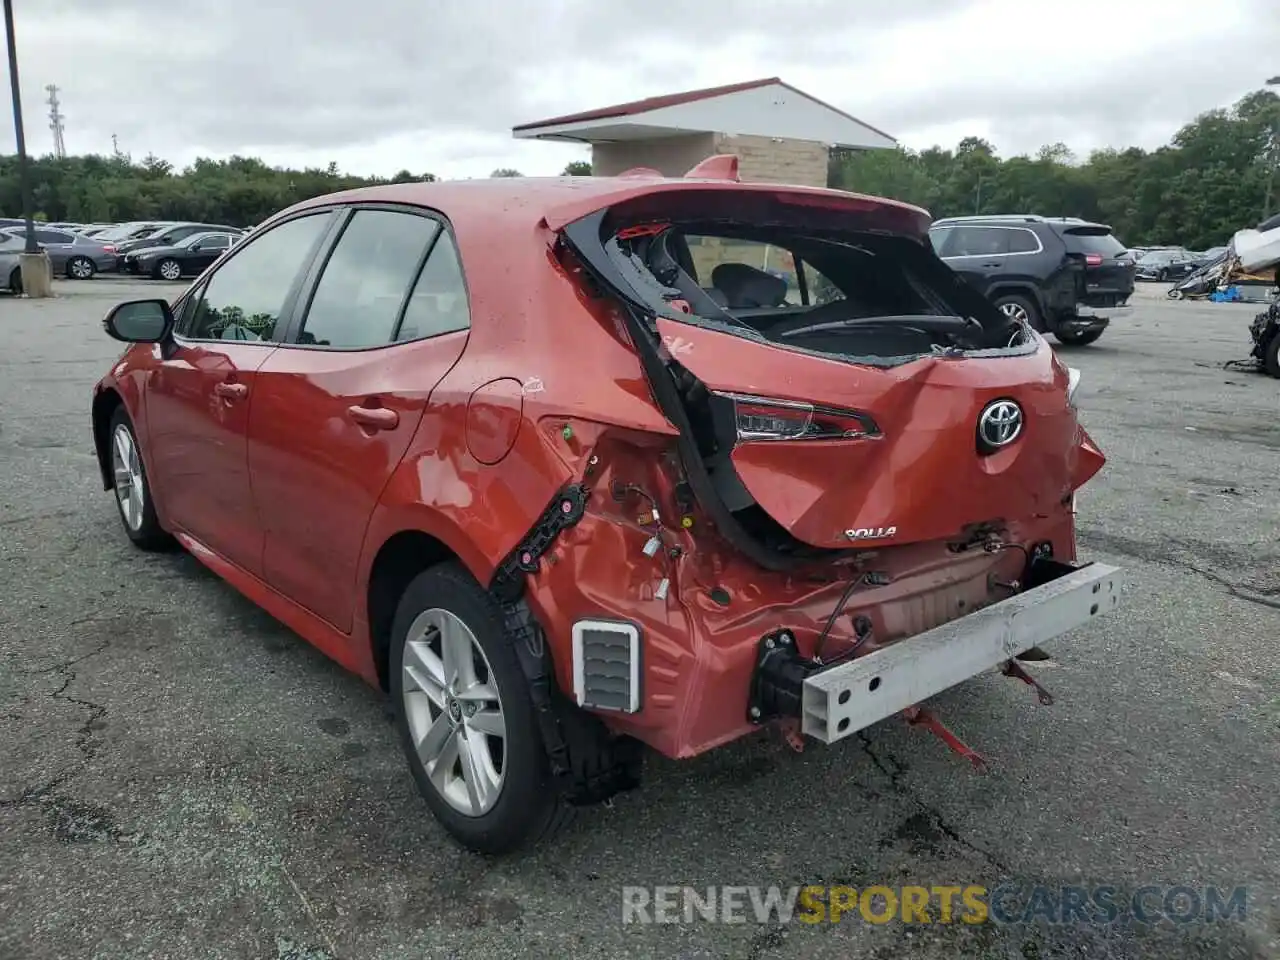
{"x":573,"y":466}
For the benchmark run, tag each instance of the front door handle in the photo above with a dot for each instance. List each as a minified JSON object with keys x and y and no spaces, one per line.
{"x":374,"y":418}
{"x":231,"y":391}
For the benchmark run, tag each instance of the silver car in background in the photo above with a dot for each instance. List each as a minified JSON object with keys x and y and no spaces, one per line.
{"x":71,"y":254}
{"x":10,"y":274}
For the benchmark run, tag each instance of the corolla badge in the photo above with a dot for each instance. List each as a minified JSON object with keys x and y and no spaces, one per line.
{"x":1000,"y":424}
{"x":870,"y":533}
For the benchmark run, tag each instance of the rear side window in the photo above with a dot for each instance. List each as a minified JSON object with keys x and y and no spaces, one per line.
{"x":439,"y":301}
{"x":244,"y":298}
{"x":1093,"y":240}
{"x":1022,"y":240}
{"x":366,"y":279}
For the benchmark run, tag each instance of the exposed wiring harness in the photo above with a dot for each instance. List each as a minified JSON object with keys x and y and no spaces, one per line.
{"x":835,"y":613}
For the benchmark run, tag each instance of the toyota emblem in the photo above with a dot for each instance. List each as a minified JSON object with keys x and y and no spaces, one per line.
{"x":999,"y":425}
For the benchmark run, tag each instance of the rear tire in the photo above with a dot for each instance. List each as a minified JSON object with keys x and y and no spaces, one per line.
{"x":1271,"y":357}
{"x":81,"y":268}
{"x":445,"y":604}
{"x":133,"y":499}
{"x":1020,"y":308}
{"x":1077,"y":339}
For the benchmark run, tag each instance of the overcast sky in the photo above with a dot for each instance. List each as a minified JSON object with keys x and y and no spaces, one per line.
{"x":436,"y":85}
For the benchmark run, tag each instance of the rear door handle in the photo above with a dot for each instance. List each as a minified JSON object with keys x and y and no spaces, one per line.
{"x":231,"y":391}
{"x":374,"y":418}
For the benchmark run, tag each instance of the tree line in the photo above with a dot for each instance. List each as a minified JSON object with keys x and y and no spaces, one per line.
{"x":1219,"y":174}
{"x":1216,"y":176}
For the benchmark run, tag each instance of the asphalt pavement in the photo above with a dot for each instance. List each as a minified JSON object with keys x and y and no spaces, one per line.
{"x":182,"y":777}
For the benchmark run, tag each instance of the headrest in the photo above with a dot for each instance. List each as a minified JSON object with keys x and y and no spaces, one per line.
{"x":746,"y":287}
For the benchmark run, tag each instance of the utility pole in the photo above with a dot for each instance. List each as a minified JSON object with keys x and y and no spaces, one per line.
{"x":1275,"y":152}
{"x":34,"y":264}
{"x":115,"y":145}
{"x":55,"y":122}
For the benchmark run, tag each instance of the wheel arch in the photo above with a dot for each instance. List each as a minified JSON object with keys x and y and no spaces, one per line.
{"x":1017,"y":288}
{"x":105,"y":404}
{"x":399,"y":559}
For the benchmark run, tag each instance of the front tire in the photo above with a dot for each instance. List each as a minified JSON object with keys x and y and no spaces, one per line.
{"x":132,"y":488}
{"x":465,"y":717}
{"x":1271,"y":357}
{"x":168,"y":269}
{"x":15,"y":281}
{"x":81,"y":268}
{"x":1020,"y":308}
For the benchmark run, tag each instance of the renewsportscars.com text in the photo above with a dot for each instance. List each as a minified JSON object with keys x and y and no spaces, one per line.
{"x":950,"y":903}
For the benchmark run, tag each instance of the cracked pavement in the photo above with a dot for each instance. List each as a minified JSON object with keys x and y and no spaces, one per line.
{"x":182,"y":777}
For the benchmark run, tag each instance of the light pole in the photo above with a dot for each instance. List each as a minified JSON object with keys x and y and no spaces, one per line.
{"x":34,"y":264}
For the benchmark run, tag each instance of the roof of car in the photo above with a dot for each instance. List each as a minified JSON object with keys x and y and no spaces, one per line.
{"x":561,"y":200}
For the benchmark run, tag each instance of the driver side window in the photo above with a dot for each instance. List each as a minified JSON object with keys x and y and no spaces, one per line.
{"x":245,"y":297}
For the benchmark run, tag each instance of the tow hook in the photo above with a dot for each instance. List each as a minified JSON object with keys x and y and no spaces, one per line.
{"x":1012,"y":668}
{"x":920,"y":717}
{"x":791,"y":734}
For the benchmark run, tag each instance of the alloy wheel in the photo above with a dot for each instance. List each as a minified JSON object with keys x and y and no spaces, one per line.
{"x":81,"y":269}
{"x":454,"y":712}
{"x":1015,"y":311}
{"x":170,"y":270}
{"x":130,"y":495}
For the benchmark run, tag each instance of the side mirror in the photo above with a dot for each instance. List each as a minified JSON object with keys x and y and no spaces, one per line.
{"x":140,"y":321}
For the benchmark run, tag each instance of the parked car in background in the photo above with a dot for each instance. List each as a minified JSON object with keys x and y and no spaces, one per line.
{"x":72,"y":254}
{"x":95,"y":229}
{"x":1210,"y":255}
{"x":373,"y":417}
{"x":11,"y":248}
{"x":133,"y":230}
{"x":186,"y":258}
{"x":1063,"y":276}
{"x":170,"y":235}
{"x":1167,"y":263}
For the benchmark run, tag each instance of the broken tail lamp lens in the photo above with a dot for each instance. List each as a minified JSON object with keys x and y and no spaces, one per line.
{"x":764,"y":418}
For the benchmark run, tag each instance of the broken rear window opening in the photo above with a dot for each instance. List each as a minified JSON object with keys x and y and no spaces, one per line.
{"x":865,"y":297}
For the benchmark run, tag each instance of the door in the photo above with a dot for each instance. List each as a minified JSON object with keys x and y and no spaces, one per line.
{"x":336,"y":407}
{"x":202,"y":253}
{"x":200,"y":395}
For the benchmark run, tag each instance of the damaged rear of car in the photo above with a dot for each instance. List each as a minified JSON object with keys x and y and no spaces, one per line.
{"x":869,"y":495}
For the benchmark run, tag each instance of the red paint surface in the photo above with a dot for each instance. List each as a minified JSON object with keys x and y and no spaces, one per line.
{"x":290,"y":495}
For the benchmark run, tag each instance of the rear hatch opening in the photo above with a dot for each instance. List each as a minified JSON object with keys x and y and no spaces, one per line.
{"x":821,"y":371}
{"x":1108,"y":275}
{"x":867,"y":298}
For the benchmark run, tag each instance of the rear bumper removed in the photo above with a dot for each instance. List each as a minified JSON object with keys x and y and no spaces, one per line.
{"x":845,"y":699}
{"x":838,"y":701}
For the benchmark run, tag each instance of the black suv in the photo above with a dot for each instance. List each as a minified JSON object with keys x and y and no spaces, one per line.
{"x":1062,"y":275}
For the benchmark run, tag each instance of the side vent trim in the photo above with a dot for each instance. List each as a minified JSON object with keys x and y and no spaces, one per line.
{"x":606,"y":665}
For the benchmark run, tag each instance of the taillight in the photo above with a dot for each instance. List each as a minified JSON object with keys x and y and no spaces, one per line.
{"x":108,"y":248}
{"x":764,"y":418}
{"x":1093,"y":259}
